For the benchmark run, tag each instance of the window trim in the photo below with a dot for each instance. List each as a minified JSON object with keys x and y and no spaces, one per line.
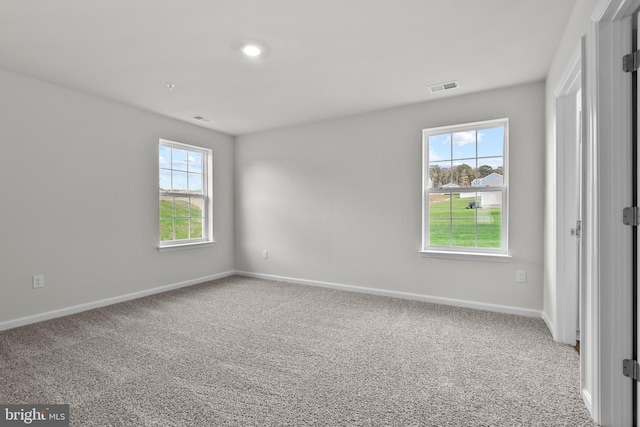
{"x":207,"y":186}
{"x":461,"y":252}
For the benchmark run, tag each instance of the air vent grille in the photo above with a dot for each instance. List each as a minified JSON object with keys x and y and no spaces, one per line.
{"x":443,"y":86}
{"x":202,"y":119}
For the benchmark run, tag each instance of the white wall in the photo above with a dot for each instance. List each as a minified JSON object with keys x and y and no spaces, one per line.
{"x":79,"y":179}
{"x":340,"y":201}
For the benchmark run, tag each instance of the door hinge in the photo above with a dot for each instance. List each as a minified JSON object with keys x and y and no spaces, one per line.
{"x":630,"y":216}
{"x":631,"y":62}
{"x":578,"y":230}
{"x":631,"y":369}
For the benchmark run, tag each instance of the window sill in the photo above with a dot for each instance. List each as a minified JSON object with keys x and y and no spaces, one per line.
{"x":182,"y":246}
{"x":469,"y":256}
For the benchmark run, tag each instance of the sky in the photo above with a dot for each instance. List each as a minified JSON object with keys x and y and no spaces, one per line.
{"x":180,"y":170}
{"x":487,"y":142}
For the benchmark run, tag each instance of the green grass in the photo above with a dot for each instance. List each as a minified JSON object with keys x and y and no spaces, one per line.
{"x":178,"y":220}
{"x":451,"y":224}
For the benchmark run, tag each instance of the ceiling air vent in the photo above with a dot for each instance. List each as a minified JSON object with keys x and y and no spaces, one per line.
{"x":202,"y":119}
{"x":443,"y":86}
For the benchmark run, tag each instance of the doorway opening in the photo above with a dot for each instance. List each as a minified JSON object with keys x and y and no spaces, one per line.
{"x":569,"y":125}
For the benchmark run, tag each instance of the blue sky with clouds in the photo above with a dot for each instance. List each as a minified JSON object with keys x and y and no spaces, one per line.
{"x":452,"y":149}
{"x":180,"y":170}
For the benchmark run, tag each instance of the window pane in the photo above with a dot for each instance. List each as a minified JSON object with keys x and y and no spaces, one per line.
{"x":463,"y":232}
{"x":439,"y":174}
{"x":440,"y":219}
{"x":181,"y":207}
{"x":195,"y":162}
{"x":165,"y":180}
{"x":463,"y":174}
{"x":179,"y":181}
{"x":179,"y":159}
{"x":196,"y":228}
{"x":195,"y":182}
{"x":488,"y":169}
{"x":491,"y":142}
{"x":181,"y":217}
{"x":495,"y":179}
{"x":466,"y":220}
{"x":164,"y":158}
{"x":463,"y":219}
{"x":440,"y":147}
{"x":195,"y":207}
{"x":166,"y":207}
{"x":464,"y":145}
{"x":490,"y":219}
{"x":483,"y":170}
{"x":181,"y":229}
{"x":166,"y":229}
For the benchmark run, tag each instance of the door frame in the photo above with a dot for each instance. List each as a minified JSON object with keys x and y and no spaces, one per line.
{"x":607,"y":242}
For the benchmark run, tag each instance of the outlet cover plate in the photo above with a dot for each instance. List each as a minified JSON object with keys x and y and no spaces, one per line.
{"x":38,"y":281}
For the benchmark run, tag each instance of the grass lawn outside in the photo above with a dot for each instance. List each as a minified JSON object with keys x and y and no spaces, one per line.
{"x":180,"y":218}
{"x":453,"y":224}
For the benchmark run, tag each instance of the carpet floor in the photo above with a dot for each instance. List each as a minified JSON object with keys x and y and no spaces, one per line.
{"x":246,"y":352}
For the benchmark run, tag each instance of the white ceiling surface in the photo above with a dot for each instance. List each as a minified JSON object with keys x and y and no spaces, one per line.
{"x":325,"y":58}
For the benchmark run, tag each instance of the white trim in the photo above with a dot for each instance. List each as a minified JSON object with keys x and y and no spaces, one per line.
{"x":527,"y":312}
{"x":591,"y":215}
{"x":22,"y":321}
{"x":571,"y":74}
{"x":206,"y":196}
{"x":40,"y":317}
{"x":586,"y":398}
{"x":504,"y":188}
{"x":192,"y":245}
{"x":613,"y":10}
{"x":468,"y":256}
{"x":550,"y":325}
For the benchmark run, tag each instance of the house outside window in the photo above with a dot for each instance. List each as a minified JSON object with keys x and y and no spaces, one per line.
{"x":184,"y":195}
{"x":465,"y":189}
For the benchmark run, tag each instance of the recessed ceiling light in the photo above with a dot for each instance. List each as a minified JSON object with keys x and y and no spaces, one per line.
{"x":252,"y":50}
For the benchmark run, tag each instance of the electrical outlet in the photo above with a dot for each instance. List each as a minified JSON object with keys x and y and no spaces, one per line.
{"x":521,"y":276}
{"x":38,"y":281}
{"x":265,"y":254}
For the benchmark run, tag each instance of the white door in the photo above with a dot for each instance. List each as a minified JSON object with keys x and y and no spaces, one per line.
{"x":573,"y":215}
{"x":569,"y":199}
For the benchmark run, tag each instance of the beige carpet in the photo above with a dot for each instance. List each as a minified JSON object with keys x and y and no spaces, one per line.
{"x":248,"y":352}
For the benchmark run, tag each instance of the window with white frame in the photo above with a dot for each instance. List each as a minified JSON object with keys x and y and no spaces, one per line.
{"x":465,"y":188}
{"x":184,"y":194}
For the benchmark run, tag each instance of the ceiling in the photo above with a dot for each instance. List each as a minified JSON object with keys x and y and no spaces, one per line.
{"x":324,"y":59}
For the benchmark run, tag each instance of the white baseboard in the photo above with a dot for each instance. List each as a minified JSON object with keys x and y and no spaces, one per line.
{"x":403,"y":295}
{"x":550,"y":325}
{"x":22,"y":321}
{"x":14,"y":323}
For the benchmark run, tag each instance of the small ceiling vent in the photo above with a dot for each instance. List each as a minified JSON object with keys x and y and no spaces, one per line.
{"x":443,"y":86}
{"x":202,"y":119}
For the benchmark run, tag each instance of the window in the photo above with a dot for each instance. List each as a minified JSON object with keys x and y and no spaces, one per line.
{"x":185,"y":211}
{"x":465,"y":189}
